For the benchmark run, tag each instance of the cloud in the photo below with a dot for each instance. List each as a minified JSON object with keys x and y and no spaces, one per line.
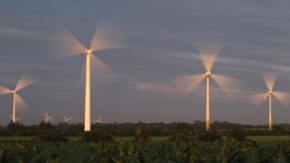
{"x":236,"y":61}
{"x":18,"y":32}
{"x":158,"y":88}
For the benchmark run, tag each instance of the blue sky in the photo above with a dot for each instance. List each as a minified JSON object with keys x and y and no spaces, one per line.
{"x":163,"y":41}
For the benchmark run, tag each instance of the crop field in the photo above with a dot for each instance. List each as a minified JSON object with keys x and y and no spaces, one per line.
{"x":153,"y":138}
{"x":171,"y":152}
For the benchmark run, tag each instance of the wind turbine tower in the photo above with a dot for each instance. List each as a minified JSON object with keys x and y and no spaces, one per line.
{"x":270,"y":79}
{"x":23,"y":82}
{"x":64,"y":44}
{"x":208,"y":53}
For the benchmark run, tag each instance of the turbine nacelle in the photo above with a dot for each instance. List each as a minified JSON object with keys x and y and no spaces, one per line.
{"x":270,"y":92}
{"x":88,"y":52}
{"x":14,"y":91}
{"x":208,"y":74}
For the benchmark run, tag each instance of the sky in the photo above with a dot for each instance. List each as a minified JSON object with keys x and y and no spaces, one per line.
{"x":162,"y":44}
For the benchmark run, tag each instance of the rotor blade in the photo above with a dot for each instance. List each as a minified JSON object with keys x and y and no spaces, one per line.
{"x":63,"y":44}
{"x":226,"y":82}
{"x":24,"y":81}
{"x":282,"y":97}
{"x":20,"y":104}
{"x":100,"y":73}
{"x":257,"y":99}
{"x":190,"y":81}
{"x":107,"y":36}
{"x":17,"y":119}
{"x":208,"y":53}
{"x":270,"y":79}
{"x":4,"y":90}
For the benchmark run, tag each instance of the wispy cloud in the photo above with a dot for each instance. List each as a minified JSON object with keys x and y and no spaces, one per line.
{"x":243,"y":62}
{"x":18,"y":32}
{"x":158,"y":88}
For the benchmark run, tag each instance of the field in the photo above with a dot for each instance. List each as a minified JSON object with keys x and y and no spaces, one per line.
{"x":258,"y":149}
{"x":155,"y":152}
{"x":153,"y":139}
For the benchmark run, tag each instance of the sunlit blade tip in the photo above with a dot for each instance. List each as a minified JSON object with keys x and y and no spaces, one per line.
{"x":108,"y":36}
{"x":24,"y":81}
{"x":270,"y":79}
{"x":283,"y":98}
{"x":63,"y":44}
{"x":209,"y":52}
{"x":256,"y":100}
{"x":20,"y":103}
{"x":4,"y":90}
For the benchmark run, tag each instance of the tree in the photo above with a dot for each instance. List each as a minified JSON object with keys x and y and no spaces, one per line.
{"x":15,"y":127}
{"x":144,"y":134}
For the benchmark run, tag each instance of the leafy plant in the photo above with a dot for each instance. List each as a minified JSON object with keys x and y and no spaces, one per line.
{"x":209,"y":136}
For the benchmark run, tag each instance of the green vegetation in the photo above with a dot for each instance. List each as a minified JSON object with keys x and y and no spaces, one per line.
{"x":237,"y":133}
{"x":152,"y":138}
{"x":213,"y":152}
{"x":51,"y":137}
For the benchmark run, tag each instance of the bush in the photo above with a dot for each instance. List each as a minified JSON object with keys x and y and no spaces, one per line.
{"x":52,"y":137}
{"x":209,"y":136}
{"x":4,"y":132}
{"x":180,"y":137}
{"x":277,"y":130}
{"x":97,"y":136}
{"x":237,"y":133}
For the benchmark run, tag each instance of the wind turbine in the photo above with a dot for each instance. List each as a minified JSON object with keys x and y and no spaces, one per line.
{"x":99,"y":120}
{"x":66,"y":119}
{"x":208,"y":53}
{"x":270,"y":79}
{"x":16,"y":119}
{"x":23,"y":82}
{"x":47,"y":117}
{"x":64,"y":44}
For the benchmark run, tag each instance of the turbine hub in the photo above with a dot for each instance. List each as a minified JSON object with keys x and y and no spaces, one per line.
{"x":270,"y":92}
{"x":14,"y":92}
{"x":208,"y":74}
{"x":88,"y":52}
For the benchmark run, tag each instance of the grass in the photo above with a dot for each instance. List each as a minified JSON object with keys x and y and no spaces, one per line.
{"x":153,"y":138}
{"x":268,"y":138}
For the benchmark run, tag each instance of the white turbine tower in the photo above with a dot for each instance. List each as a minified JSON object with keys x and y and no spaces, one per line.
{"x":270,"y":79}
{"x":66,"y":119}
{"x":47,"y":118}
{"x":23,"y":82}
{"x":64,"y":44}
{"x":208,"y":53}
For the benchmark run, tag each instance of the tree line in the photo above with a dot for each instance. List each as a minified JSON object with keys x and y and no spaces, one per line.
{"x":129,"y":128}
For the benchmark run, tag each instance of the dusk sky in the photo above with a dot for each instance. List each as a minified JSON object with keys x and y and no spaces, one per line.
{"x":162,"y":40}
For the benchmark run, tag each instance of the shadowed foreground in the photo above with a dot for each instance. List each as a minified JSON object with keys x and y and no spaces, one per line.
{"x":219,"y":151}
